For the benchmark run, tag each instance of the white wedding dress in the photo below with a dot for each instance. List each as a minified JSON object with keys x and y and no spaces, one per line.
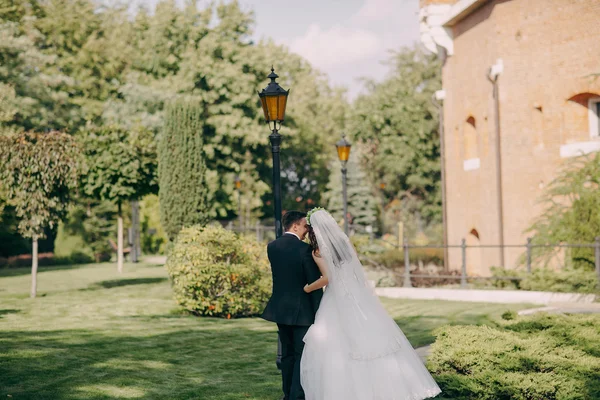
{"x":355,"y":350}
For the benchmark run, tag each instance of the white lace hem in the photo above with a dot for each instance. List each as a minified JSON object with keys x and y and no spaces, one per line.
{"x":426,"y":394}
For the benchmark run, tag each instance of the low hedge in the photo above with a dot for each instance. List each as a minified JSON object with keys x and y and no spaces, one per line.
{"x":567,"y":280}
{"x":544,"y":357}
{"x":45,"y":260}
{"x":394,"y":258}
{"x":215,"y":272}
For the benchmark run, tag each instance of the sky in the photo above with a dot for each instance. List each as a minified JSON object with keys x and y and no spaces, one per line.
{"x":346,"y":39}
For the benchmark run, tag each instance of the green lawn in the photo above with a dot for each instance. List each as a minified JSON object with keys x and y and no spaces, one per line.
{"x":94,"y":334}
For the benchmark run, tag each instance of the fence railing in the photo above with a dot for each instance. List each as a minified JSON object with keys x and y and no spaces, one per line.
{"x":464,"y":277}
{"x":267,"y":233}
{"x":262,"y":232}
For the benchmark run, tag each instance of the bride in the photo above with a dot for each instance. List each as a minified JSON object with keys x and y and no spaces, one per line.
{"x":354,"y":350}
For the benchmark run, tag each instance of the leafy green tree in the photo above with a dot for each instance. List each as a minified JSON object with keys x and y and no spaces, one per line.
{"x":208,"y":55}
{"x":397,"y":123}
{"x":72,"y":63}
{"x":90,"y":45}
{"x":39,"y":174}
{"x":572,"y":212}
{"x":30,"y":86}
{"x":183,"y":193}
{"x":362,"y":204}
{"x":121,"y":166}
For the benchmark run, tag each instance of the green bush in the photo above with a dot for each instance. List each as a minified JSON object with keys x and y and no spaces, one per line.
{"x":535,"y":358}
{"x":566,"y":280}
{"x":214,"y":272}
{"x":503,"y":278}
{"x":395,"y":258}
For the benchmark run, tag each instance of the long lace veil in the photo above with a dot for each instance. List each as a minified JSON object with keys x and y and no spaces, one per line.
{"x":369,"y":332}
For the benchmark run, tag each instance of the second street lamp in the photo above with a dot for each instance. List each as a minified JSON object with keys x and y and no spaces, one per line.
{"x":343,"y":150}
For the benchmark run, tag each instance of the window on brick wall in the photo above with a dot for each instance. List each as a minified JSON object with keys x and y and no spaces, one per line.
{"x":470,"y":132}
{"x":581,"y":122}
{"x":471,"y":151}
{"x":474,"y":254}
{"x":594,"y":116}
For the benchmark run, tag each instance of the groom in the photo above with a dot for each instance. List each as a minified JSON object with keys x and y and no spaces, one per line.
{"x":290,"y":307}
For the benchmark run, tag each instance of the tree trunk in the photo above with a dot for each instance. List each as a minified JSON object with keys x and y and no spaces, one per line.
{"x":34,"y":268}
{"x":135,"y":231}
{"x":120,"y":241}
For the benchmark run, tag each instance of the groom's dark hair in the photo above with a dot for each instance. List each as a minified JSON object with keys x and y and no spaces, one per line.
{"x":292,"y":217}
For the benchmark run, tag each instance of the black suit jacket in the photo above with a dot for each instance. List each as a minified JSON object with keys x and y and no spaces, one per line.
{"x":293,"y":267}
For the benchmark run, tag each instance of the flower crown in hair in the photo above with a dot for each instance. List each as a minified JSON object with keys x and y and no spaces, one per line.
{"x":311,"y":212}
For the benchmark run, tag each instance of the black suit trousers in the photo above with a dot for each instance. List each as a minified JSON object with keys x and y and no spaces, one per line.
{"x":292,"y":346}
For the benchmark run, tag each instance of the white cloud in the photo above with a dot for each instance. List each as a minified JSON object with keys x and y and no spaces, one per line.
{"x":354,"y":44}
{"x":376,"y":10}
{"x":336,"y":46}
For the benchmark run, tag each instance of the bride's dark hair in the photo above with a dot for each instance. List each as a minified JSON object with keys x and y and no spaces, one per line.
{"x":313,"y":239}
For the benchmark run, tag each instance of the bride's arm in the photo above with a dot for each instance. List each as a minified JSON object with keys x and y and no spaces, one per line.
{"x":323,"y":280}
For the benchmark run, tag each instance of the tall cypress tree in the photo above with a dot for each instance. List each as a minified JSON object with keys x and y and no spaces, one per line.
{"x":182,"y":169}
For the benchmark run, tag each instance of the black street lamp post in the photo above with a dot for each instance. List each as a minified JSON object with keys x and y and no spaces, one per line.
{"x":343,"y":149}
{"x":273,"y":99}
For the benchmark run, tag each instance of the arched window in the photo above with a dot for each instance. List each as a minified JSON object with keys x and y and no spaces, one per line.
{"x":474,"y":258}
{"x":582,"y":113}
{"x":471,"y":153}
{"x":581,"y":122}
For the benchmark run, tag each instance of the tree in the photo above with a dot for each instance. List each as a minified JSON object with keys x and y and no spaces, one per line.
{"x":121,"y":166}
{"x":183,"y":191}
{"x":39,"y":173}
{"x":90,"y":45}
{"x":397,"y":123}
{"x":74,"y":63}
{"x":572,"y":212}
{"x":34,"y":92}
{"x":208,"y":55}
{"x":361,"y":202}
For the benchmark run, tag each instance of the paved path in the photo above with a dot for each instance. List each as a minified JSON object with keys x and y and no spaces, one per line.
{"x":423,"y":352}
{"x":485,"y":296}
{"x":157,"y":260}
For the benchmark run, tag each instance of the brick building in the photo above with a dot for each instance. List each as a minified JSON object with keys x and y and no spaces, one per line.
{"x":500,"y":152}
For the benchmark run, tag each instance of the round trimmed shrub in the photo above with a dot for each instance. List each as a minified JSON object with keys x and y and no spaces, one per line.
{"x":214,"y":272}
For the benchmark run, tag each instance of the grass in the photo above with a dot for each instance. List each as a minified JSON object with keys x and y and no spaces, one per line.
{"x":94,"y":334}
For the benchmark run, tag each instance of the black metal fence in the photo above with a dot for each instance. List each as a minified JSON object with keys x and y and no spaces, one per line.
{"x":528,"y":248}
{"x":263,"y":233}
{"x":266,"y":233}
